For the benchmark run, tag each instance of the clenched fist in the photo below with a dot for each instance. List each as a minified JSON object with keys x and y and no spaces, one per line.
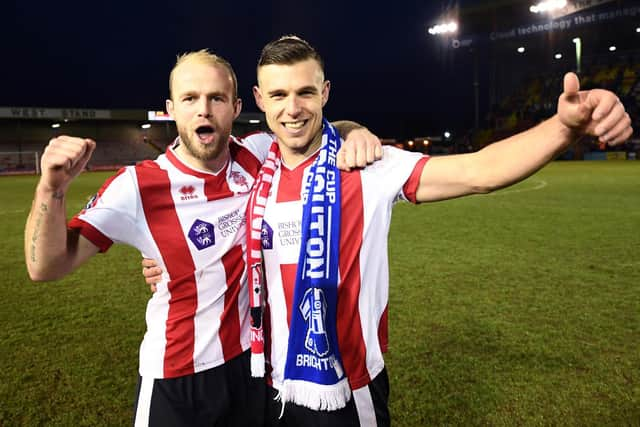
{"x":63,"y":159}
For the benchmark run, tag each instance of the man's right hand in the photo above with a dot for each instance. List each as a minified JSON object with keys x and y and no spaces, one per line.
{"x":151,"y":272}
{"x":63,"y":159}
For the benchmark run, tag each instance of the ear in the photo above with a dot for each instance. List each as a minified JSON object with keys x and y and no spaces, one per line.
{"x":258,"y":97}
{"x":169,"y":106}
{"x":326,"y":87}
{"x":237,"y":108}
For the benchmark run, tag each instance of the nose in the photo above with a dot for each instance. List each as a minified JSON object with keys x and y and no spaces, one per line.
{"x":293,"y":106}
{"x":203,"y":107}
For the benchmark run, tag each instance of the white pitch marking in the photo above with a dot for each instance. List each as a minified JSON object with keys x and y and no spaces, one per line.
{"x":541,"y":184}
{"x":14,"y":211}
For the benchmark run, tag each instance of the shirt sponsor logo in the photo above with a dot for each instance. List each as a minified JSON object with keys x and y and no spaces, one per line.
{"x":229,"y":224}
{"x":187,"y":192}
{"x":266,"y":235}
{"x":202,"y":234}
{"x":289,"y":233}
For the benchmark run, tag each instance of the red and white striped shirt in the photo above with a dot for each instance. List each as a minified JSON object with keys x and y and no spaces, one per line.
{"x":193,"y":223}
{"x":368,"y":196}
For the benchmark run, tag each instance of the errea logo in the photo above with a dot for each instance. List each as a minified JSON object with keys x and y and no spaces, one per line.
{"x":187,"y":192}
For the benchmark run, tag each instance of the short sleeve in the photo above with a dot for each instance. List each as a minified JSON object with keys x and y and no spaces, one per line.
{"x":110,"y":215}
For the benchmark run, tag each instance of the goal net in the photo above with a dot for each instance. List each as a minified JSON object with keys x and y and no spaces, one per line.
{"x":19,"y":162}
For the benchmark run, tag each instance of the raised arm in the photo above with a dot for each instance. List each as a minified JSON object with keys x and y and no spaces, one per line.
{"x":596,"y":112}
{"x":51,"y":250}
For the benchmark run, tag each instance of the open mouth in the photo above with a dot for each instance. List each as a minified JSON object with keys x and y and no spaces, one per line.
{"x":205,"y":133}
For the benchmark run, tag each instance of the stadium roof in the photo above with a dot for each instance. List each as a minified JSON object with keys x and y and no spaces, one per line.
{"x":508,"y":22}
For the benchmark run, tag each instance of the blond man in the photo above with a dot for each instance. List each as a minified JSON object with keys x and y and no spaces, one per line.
{"x":186,"y":209}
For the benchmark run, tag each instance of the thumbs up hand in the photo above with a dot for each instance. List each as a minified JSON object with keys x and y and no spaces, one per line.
{"x":595,"y":112}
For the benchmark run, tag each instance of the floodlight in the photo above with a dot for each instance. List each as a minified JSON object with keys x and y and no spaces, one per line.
{"x":558,"y":56}
{"x":444,"y":28}
{"x":548,"y":6}
{"x":521,"y":49}
{"x":578,"y":42}
{"x":146,"y":126}
{"x":254,"y":121}
{"x":612,"y":48}
{"x":410,"y":143}
{"x":55,"y":125}
{"x":447,"y":134}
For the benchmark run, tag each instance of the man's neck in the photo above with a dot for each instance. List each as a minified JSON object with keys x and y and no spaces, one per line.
{"x":292,"y":158}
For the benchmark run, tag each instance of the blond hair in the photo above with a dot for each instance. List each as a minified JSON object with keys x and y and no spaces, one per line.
{"x":203,"y":56}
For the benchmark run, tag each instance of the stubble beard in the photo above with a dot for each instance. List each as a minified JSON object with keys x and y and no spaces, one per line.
{"x":199,"y":151}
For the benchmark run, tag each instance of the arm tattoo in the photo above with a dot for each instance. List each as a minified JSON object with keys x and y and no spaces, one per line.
{"x":42,"y":210}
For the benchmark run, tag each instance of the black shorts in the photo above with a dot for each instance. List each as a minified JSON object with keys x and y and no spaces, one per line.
{"x":224,"y":396}
{"x":368,"y":407}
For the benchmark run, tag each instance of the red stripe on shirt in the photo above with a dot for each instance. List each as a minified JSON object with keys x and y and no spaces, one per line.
{"x":383,"y":330}
{"x":91,"y":233}
{"x":230,"y":318}
{"x":165,"y":227}
{"x":216,"y":187}
{"x":350,"y":340}
{"x":291,"y":181}
{"x":245,"y":158}
{"x":410,"y":188}
{"x":288,"y":274}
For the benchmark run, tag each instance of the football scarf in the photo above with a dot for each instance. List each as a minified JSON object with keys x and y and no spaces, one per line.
{"x":255,"y":213}
{"x":313,"y":375}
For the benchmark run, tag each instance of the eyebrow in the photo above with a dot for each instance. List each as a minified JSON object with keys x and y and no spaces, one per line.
{"x":197,"y":93}
{"x":309,"y":88}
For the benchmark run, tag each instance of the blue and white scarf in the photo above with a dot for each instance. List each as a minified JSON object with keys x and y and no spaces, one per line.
{"x":313,"y":375}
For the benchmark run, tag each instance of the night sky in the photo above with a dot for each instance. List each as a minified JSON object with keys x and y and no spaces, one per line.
{"x":382,"y":65}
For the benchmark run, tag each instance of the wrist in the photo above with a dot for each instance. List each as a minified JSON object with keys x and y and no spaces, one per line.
{"x":569,"y":134}
{"x":45,"y":191}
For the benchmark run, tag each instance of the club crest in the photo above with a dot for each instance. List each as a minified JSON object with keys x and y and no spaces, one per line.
{"x":202,"y":234}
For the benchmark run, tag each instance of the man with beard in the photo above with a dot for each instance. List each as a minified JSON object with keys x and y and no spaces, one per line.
{"x":185,"y":209}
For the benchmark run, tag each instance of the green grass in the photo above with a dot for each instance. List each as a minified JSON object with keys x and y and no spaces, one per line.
{"x":516,"y":308}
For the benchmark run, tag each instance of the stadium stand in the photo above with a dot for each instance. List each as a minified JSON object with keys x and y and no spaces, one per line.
{"x":525,"y":82}
{"x":120,"y":142}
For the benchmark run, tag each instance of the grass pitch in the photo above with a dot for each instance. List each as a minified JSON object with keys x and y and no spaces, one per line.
{"x":517,"y":308}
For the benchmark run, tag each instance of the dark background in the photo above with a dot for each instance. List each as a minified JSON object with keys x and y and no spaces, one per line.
{"x":386,"y":71}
